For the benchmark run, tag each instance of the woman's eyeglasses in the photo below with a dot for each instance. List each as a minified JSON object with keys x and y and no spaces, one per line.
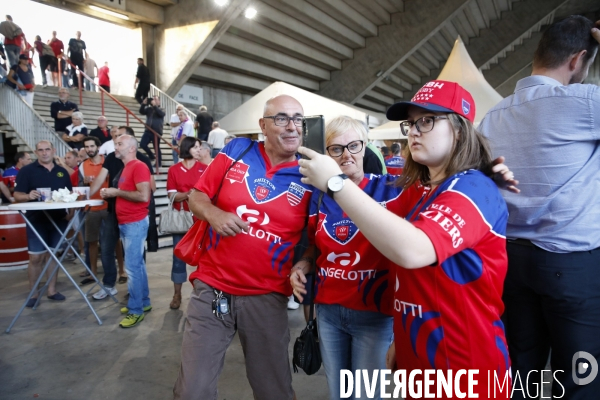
{"x":336,"y":150}
{"x":423,"y":124}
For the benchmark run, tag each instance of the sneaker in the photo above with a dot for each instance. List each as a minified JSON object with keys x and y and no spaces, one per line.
{"x":292,"y":305}
{"x":125,"y":310}
{"x":131,"y":320}
{"x":101,"y":294}
{"x":70,"y":257}
{"x":45,"y":85}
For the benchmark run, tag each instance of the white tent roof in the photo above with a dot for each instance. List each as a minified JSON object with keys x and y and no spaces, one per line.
{"x":461,"y":69}
{"x":388,"y":131}
{"x":244,"y":119}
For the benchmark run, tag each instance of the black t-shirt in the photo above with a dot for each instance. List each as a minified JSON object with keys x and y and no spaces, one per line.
{"x":60,"y":125}
{"x":143,"y":74}
{"x":76,"y":46}
{"x":102,"y":136}
{"x":34,"y":176}
{"x":114,"y":166}
{"x":372,"y":163}
{"x":26,"y":77}
{"x":205,"y":121}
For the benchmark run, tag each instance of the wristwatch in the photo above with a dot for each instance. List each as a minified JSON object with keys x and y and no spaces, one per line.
{"x":335,"y":184}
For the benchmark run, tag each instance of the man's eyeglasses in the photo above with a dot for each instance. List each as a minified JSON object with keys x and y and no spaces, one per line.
{"x":284,"y":120}
{"x":336,"y":150}
{"x":424,"y":124}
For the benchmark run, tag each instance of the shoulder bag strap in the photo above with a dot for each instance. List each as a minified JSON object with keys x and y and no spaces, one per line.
{"x":317,"y":253}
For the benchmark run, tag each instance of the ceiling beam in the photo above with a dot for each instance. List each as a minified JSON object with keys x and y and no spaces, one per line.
{"x":395,"y":43}
{"x":207,"y":73}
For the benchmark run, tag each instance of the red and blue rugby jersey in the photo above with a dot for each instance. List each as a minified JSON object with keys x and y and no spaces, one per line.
{"x":274,"y":202}
{"x":351,"y":272}
{"x":447,"y":315}
{"x":394,"y":165}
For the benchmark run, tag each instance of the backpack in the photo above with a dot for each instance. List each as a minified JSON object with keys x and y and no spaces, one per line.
{"x":10,"y":30}
{"x":47,"y":50}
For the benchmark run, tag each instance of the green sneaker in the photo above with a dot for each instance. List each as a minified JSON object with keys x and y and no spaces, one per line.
{"x":125,"y":310}
{"x":131,"y":320}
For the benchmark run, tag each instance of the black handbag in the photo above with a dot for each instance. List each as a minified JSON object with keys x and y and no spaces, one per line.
{"x":307,"y":354}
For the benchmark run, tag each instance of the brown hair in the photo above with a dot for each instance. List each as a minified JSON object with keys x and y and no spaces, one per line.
{"x":471,"y":150}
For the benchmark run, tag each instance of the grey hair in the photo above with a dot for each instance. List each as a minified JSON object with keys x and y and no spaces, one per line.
{"x":203,"y":108}
{"x":77,"y":114}
{"x":206,"y":145}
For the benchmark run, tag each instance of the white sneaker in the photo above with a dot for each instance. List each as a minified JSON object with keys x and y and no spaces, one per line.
{"x":292,"y":305}
{"x":101,"y":294}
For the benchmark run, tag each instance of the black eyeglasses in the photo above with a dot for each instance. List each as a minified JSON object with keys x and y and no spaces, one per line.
{"x":424,"y":124}
{"x":284,"y":120}
{"x":336,"y":150}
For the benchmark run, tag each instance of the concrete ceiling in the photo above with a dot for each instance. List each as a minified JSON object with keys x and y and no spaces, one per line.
{"x":372,"y":53}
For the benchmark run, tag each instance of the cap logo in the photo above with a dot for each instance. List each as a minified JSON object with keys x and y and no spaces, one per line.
{"x":466,"y":107}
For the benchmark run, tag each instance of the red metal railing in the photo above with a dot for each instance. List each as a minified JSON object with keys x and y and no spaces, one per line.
{"x":128,"y":112}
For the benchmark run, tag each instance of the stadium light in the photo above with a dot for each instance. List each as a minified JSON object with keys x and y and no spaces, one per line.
{"x":250,"y":13}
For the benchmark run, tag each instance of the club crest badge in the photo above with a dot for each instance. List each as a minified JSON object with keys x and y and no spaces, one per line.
{"x":466,"y":107}
{"x":342,"y":232}
{"x":295,"y":193}
{"x":261,"y":192}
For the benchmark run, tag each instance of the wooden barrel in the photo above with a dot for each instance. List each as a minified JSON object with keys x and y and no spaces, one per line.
{"x":13,"y":240}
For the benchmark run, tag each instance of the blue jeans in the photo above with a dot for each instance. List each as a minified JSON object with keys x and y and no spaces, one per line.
{"x":133,"y":236}
{"x":351,"y":339}
{"x":12,"y":54}
{"x":109,"y":236}
{"x":179,"y":271}
{"x":175,"y":154}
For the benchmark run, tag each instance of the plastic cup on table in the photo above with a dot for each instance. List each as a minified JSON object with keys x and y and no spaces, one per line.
{"x":46,"y":194}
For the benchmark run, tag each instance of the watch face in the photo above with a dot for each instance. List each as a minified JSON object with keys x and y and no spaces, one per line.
{"x":335,"y":183}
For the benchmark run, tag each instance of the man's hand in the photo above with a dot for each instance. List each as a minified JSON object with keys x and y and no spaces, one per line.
{"x":34,"y":195}
{"x":66,"y":137}
{"x":108,"y":193}
{"x":226,"y":223}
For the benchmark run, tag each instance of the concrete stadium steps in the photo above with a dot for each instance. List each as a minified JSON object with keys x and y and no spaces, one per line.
{"x":91,"y":109}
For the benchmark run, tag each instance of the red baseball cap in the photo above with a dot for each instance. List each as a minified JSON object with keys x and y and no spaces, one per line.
{"x":437,"y":96}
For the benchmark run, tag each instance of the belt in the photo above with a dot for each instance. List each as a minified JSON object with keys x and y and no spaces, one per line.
{"x":521,"y":242}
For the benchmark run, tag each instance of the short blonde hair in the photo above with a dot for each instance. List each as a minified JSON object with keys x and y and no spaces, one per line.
{"x":342,"y":124}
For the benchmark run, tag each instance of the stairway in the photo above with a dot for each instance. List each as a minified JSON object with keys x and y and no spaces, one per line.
{"x":91,"y":109}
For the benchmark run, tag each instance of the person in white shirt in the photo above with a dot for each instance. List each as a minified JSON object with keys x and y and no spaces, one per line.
{"x":186,"y":127}
{"x":175,"y":122}
{"x":216,"y":138}
{"x":109,"y":147}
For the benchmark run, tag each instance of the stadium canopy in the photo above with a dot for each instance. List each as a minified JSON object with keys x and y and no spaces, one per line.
{"x":244,"y":119}
{"x":459,"y":68}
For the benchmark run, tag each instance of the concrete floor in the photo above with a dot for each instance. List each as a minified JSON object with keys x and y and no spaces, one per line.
{"x":60,"y":352}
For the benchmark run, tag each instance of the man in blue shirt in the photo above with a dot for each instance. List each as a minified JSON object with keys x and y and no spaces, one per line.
{"x":43,"y":173}
{"x":549,"y":131}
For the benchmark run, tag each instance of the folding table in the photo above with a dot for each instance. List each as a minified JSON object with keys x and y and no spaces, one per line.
{"x":80,"y":208}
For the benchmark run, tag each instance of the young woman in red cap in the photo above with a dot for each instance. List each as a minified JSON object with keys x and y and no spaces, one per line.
{"x":448,"y":242}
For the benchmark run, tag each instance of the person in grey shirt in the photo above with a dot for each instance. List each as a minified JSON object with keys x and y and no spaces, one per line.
{"x":549,"y":131}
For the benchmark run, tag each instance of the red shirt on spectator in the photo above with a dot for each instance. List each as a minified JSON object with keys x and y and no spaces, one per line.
{"x":103,"y":78}
{"x":17,"y":40}
{"x":75,"y":176}
{"x":128,"y":211}
{"x":181,"y":179}
{"x":57,"y":47}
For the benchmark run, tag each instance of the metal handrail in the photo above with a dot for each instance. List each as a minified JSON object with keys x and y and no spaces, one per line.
{"x":169,"y":103}
{"x":128,"y":112}
{"x":27,"y":123}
